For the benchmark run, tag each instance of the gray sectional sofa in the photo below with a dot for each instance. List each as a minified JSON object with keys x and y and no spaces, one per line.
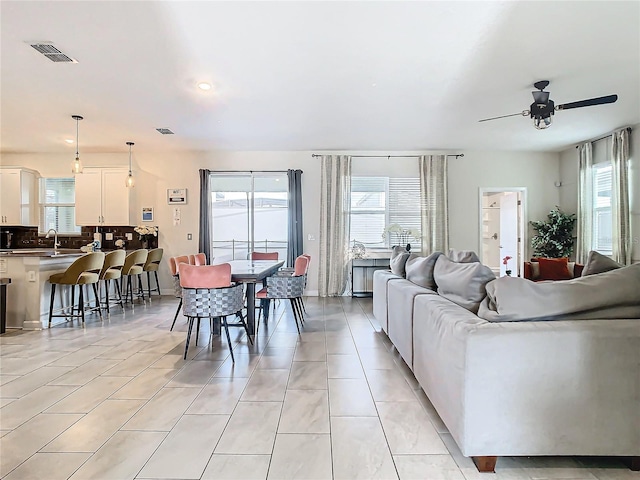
{"x":537,"y":384}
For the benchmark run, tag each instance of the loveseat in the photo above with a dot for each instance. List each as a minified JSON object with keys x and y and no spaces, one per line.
{"x":550,"y":385}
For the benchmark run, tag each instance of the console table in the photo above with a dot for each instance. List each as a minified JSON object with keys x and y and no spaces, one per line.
{"x":362,"y":275}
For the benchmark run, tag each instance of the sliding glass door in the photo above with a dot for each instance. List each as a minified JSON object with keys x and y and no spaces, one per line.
{"x":249,"y":213}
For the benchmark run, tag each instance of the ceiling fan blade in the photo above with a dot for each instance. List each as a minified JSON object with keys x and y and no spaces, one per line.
{"x":588,"y":103}
{"x":524,"y":114}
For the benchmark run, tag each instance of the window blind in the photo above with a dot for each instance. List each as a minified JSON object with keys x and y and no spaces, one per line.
{"x":57,"y":205}
{"x":602,"y":214}
{"x":377,"y":202}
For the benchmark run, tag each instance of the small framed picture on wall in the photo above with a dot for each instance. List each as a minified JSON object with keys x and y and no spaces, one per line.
{"x":147,"y":214}
{"x":177,"y":196}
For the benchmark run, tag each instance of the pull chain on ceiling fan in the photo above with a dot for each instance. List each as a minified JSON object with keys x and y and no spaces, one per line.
{"x":542,"y":109}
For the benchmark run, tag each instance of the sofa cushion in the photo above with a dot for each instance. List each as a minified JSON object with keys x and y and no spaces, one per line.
{"x":535,"y":269}
{"x":463,"y":256}
{"x":609,"y":295}
{"x":554,"y":269}
{"x":462,"y":283}
{"x":399,"y":257}
{"x":420,"y":270}
{"x":598,"y":263}
{"x":381,"y":279}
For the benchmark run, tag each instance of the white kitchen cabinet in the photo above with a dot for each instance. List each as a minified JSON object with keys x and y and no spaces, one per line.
{"x":18,"y":197}
{"x":102,"y":197}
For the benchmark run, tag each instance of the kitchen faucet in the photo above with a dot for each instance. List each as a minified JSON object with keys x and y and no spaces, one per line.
{"x":55,"y":238}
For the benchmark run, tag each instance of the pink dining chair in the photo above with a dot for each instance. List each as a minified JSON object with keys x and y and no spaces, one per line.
{"x":264,"y":255}
{"x":174,"y":267}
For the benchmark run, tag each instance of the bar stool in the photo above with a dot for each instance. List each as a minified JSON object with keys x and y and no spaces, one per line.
{"x":112,"y":270}
{"x":174,"y":267}
{"x":207,"y":292}
{"x":151,"y":265}
{"x":84,"y":271}
{"x":133,"y":265}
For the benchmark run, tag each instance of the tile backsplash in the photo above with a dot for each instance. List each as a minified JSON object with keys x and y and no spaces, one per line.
{"x":28,"y":237}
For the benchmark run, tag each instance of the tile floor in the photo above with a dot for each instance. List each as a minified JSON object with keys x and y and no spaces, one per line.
{"x":115,"y":400}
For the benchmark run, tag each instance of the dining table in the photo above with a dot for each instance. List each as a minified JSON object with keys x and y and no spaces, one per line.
{"x":250,"y":272}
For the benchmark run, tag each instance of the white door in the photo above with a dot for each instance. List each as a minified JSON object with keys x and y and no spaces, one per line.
{"x":89,"y":197}
{"x":509,"y":232}
{"x":10,"y":197}
{"x":115,"y":197}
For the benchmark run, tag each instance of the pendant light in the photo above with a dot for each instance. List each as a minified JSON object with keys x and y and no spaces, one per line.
{"x":76,"y":166}
{"x":130,"y":183}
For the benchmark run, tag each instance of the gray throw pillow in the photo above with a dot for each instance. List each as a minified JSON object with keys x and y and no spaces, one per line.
{"x":398,"y":260}
{"x":462,"y":283}
{"x":420,"y":270}
{"x":462,"y":256}
{"x":598,"y":263}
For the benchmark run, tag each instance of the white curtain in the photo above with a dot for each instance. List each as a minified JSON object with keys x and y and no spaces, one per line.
{"x":620,"y":197}
{"x":433,"y":204}
{"x":585,"y":202}
{"x":335,"y":211}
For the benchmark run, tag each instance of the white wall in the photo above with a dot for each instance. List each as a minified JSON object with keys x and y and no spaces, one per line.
{"x":537,"y":172}
{"x":569,"y":178}
{"x":155,"y":173}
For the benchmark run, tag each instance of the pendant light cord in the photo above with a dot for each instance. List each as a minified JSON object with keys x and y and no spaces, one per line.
{"x":77,"y":139}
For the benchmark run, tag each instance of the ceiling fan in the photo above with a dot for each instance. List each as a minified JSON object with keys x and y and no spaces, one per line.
{"x":542,"y":109}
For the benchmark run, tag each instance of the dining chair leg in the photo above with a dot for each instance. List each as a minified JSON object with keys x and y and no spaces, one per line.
{"x":97,"y":294}
{"x":175,"y":317}
{"x":226,"y":329}
{"x":186,"y":347}
{"x":197,"y":331}
{"x":304,"y":308}
{"x":295,"y":317}
{"x":53,"y":297}
{"x":81,"y":304}
{"x":296,"y":305}
{"x":246,"y":329}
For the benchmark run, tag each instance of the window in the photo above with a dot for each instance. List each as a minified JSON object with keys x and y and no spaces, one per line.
{"x":602,"y":214}
{"x":58,"y":205}
{"x":249,"y":212}
{"x":377,"y":202}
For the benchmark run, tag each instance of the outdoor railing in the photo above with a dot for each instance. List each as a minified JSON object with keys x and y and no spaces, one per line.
{"x":239,"y":249}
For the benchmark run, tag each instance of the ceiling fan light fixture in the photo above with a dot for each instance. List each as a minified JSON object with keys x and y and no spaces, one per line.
{"x":76,"y":166}
{"x":542,"y":123}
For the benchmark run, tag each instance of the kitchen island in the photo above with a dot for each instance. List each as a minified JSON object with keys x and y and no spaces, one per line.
{"x":29,"y":293}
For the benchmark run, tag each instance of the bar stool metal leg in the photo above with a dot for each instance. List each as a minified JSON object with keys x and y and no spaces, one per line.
{"x":53,"y":293}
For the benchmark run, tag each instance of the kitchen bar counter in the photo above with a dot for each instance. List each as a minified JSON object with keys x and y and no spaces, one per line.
{"x":29,"y":270}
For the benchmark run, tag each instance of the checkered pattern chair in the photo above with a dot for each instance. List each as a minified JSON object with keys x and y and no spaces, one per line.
{"x":290,"y":287}
{"x":207,"y":292}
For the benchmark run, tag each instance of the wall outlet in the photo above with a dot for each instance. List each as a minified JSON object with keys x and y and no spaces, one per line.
{"x":311,"y":237}
{"x":108,"y":236}
{"x":189,"y":236}
{"x":129,"y":236}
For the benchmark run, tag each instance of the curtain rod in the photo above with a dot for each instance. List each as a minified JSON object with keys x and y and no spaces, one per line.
{"x":602,"y":138}
{"x":249,"y":171}
{"x":390,"y":156}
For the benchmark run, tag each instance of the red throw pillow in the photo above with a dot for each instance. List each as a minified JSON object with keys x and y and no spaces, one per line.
{"x":554,"y":269}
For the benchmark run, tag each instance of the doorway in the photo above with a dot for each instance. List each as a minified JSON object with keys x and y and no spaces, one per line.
{"x":249,"y":212}
{"x":502,"y":229}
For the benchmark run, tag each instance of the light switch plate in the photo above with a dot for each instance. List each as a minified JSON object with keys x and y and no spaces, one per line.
{"x":129,"y":236}
{"x":189,"y":236}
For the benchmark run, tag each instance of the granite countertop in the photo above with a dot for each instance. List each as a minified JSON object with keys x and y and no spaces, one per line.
{"x":42,"y":252}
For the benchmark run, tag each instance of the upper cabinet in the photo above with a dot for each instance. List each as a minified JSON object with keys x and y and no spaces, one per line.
{"x":102,"y":197}
{"x":18,"y":197}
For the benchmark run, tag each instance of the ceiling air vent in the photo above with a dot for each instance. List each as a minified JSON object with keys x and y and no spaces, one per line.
{"x":164,"y":131}
{"x":52,"y":53}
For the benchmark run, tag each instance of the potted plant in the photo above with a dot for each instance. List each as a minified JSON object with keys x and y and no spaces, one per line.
{"x":554,"y":237}
{"x":402,"y":235}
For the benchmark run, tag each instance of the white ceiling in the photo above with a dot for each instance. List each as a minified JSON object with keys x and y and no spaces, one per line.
{"x":314,"y":75}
